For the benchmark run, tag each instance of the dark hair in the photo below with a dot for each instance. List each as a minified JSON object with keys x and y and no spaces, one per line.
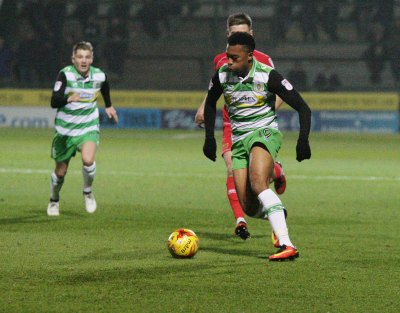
{"x":239,"y":19}
{"x":82,"y":45}
{"x":244,"y":39}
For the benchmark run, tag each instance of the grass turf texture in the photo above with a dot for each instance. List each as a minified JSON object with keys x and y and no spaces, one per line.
{"x":343,"y":209}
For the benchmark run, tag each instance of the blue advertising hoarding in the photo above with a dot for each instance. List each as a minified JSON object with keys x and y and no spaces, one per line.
{"x":325,"y":121}
{"x":344,"y":121}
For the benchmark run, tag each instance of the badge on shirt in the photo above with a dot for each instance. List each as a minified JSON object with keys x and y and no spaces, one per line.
{"x":57,"y":85}
{"x":258,"y":87}
{"x":287,"y":85}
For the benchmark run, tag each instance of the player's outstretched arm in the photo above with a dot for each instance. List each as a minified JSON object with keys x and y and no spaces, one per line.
{"x":210,"y":112}
{"x":282,"y":87}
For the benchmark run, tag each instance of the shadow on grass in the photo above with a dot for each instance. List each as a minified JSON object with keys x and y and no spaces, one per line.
{"x":38,"y":216}
{"x":226,"y":237}
{"x":231,"y":251}
{"x":131,"y":274}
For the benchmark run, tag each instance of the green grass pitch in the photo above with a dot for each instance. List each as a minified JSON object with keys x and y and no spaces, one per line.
{"x":343,"y":207}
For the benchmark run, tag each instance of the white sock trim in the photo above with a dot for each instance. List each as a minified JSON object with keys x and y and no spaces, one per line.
{"x":90,"y":169}
{"x":240,"y":220}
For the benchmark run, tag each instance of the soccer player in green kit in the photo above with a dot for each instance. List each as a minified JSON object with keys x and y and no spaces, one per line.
{"x":75,"y":95}
{"x":249,"y":88}
{"x":240,"y":22}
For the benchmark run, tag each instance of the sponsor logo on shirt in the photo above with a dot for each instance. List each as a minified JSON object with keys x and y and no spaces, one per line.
{"x":86,"y":96}
{"x":246,"y":99}
{"x":287,"y":85}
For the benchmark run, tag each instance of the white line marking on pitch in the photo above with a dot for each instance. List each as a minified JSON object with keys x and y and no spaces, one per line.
{"x":206,"y":175}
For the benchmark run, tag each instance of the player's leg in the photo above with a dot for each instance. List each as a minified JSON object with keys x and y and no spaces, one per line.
{"x":88,"y":152}
{"x":279,"y":178}
{"x":261,"y":163}
{"x":264,"y":146}
{"x":62,"y":150}
{"x":56,"y":183}
{"x":241,"y":228}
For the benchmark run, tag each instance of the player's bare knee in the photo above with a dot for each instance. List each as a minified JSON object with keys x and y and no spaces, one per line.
{"x":60,"y":173}
{"x":87,"y":161}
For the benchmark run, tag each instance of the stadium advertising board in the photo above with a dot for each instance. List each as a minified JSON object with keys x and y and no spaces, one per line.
{"x":26,"y":117}
{"x":335,"y":112}
{"x":344,"y":121}
{"x":330,"y":101}
{"x":133,"y":118}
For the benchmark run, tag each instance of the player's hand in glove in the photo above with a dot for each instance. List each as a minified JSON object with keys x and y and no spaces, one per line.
{"x":303,"y":150}
{"x":210,"y":148}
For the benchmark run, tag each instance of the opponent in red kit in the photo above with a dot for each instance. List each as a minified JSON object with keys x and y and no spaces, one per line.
{"x":240,"y":22}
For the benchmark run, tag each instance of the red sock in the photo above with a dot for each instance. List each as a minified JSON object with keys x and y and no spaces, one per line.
{"x":277,"y":171}
{"x":233,"y":198}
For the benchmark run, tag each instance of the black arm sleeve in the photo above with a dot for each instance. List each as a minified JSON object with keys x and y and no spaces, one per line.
{"x":280,"y":86}
{"x":58,"y":98}
{"x":105,"y":92}
{"x":210,"y":108}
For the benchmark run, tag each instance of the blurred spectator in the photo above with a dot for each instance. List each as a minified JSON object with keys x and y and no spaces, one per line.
{"x":281,"y":20}
{"x":308,"y":18}
{"x":393,"y":53}
{"x":150,"y":15}
{"x":116,"y":47}
{"x":55,"y":11}
{"x":384,"y":14}
{"x":321,"y":82}
{"x":329,"y":18}
{"x":191,"y":7}
{"x":327,"y":80}
{"x":69,"y":40}
{"x":84,"y":10}
{"x":6,"y":58}
{"x":375,"y":54}
{"x":362,"y":14}
{"x":34,"y":12}
{"x":334,"y":82}
{"x":8,"y":19}
{"x":298,"y":77}
{"x":121,"y":9}
{"x":172,"y":10}
{"x":160,"y":17}
{"x":27,"y":54}
{"x":92,"y":30}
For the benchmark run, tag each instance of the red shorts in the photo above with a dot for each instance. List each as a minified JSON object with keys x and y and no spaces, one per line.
{"x":226,"y":132}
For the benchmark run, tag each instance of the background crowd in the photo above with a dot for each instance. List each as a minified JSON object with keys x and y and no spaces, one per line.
{"x":36,"y":36}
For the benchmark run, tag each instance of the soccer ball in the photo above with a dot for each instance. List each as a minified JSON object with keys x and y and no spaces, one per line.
{"x":183,"y":243}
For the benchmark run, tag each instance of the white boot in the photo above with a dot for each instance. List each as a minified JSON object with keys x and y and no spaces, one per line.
{"x":90,"y":202}
{"x":53,"y":209}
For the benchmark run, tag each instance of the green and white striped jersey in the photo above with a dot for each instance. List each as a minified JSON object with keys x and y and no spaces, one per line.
{"x":78,"y":118}
{"x":250,"y":105}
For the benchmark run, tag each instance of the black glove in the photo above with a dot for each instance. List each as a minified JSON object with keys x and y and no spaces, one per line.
{"x":210,"y":148}
{"x":303,"y":150}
